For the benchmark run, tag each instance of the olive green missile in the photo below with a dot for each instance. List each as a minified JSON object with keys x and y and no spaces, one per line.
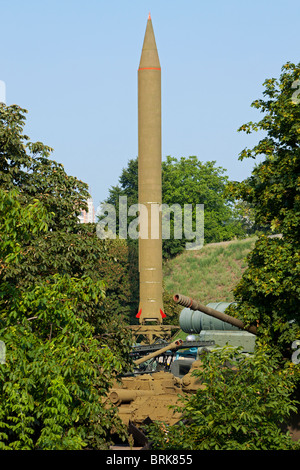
{"x":149,"y":181}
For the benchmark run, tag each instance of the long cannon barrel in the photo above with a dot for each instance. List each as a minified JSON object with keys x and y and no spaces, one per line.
{"x":118,"y":396}
{"x":170,"y":346}
{"x":195,"y":305}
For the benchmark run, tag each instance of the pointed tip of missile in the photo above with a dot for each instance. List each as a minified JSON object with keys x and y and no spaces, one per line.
{"x":149,"y":56}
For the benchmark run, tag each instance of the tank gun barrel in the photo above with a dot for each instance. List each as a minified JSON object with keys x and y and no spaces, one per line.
{"x":170,"y":346}
{"x":195,"y":305}
{"x":118,"y":396}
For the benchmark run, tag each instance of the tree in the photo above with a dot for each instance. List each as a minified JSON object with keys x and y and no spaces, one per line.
{"x":27,"y":166}
{"x":268,"y":293}
{"x":56,"y":369}
{"x":67,"y":247}
{"x":63,"y":344}
{"x":186,"y":181}
{"x":247,"y":405}
{"x":243,"y":404}
{"x":189,"y":181}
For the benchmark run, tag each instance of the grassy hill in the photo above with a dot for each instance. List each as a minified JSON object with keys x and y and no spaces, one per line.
{"x":209,"y":274}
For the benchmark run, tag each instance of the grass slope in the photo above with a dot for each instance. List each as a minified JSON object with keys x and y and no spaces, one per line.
{"x":209,"y":274}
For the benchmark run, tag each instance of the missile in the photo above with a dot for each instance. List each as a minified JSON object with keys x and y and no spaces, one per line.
{"x":149,"y":182}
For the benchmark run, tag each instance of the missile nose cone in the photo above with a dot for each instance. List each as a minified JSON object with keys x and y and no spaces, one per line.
{"x":149,"y":56}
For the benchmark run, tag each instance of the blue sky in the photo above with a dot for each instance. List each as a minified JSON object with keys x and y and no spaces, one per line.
{"x":73,"y":65}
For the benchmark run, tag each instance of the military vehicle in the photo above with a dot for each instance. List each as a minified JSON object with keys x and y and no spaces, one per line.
{"x":147,"y":394}
{"x":163,"y":371}
{"x":213,"y":324}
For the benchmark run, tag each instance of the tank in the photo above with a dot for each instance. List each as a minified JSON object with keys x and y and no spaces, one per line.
{"x":215,"y":325}
{"x":194,"y":321}
{"x":145,"y":398}
{"x":149,"y":392}
{"x":164,"y":371}
{"x":213,"y":312}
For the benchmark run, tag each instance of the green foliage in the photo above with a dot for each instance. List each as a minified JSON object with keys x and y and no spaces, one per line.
{"x":269,"y":289}
{"x":247,"y":400}
{"x":243,"y":404}
{"x":273,"y":187}
{"x":63,"y":346}
{"x":26,"y":165}
{"x":22,"y":223}
{"x":269,"y":293}
{"x":66,"y":247}
{"x":189,"y":181}
{"x":56,"y":370}
{"x":120,"y":272}
{"x":186,"y":181}
{"x":81,"y":253}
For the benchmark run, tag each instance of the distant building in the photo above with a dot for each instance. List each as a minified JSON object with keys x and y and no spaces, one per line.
{"x":88,"y":217}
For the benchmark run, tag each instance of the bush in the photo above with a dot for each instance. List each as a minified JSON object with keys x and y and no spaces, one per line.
{"x":244,"y":403}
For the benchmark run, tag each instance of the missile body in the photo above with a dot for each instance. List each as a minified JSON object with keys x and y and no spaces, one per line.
{"x":149,"y":184}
